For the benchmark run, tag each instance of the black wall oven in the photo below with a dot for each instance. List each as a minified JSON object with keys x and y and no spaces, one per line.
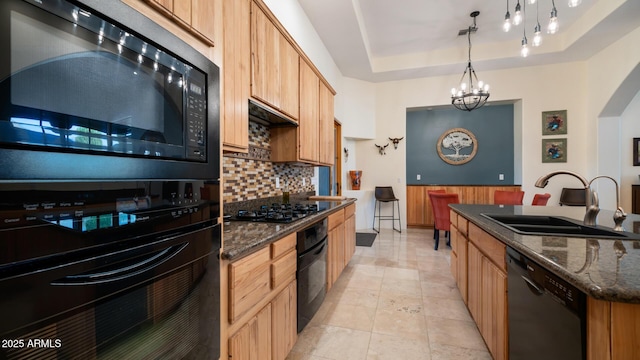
{"x":109,"y":186}
{"x":109,"y":271}
{"x":81,"y":86}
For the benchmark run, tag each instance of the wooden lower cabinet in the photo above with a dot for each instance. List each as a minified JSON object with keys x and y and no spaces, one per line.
{"x":613,"y":330}
{"x":284,"y":322}
{"x":253,"y":340}
{"x":349,"y":233}
{"x":483,"y":283}
{"x":459,"y":249}
{"x":335,"y":248}
{"x":341,"y":242}
{"x":494,"y":309}
{"x":262,"y":303}
{"x":474,"y":281}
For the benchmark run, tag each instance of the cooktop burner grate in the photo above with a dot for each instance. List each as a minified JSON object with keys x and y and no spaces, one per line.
{"x":279,"y":213}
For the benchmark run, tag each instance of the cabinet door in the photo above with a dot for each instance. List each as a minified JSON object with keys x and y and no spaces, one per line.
{"x":461,"y":253}
{"x":326,"y":137}
{"x":283,"y":322}
{"x":415,"y":205}
{"x":289,"y":81}
{"x":253,"y":340}
{"x":249,"y":282}
{"x":309,"y":118}
{"x":202,"y":18}
{"x":474,"y":285}
{"x":165,"y":6}
{"x":349,"y":238}
{"x":236,"y":89}
{"x":335,"y":254}
{"x":453,"y":234}
{"x":182,"y":11}
{"x":494,"y":309}
{"x":265,"y":58}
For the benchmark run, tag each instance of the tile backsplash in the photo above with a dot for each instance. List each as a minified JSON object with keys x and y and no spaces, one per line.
{"x":253,"y":176}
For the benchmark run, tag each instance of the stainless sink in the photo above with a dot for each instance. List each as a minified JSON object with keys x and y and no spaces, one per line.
{"x":553,"y":226}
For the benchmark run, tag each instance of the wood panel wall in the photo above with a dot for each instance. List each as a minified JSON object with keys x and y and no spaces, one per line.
{"x":419,"y":213}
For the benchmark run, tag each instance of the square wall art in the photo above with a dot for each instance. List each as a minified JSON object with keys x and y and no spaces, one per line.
{"x":554,"y":122}
{"x":554,"y":150}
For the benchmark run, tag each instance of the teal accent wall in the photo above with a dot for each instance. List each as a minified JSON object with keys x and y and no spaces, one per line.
{"x":493,"y":129}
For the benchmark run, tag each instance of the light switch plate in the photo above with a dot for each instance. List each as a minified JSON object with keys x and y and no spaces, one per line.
{"x":277,"y":182}
{"x":418,"y":177}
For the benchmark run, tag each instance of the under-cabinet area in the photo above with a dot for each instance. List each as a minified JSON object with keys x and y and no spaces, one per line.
{"x":566,"y":271}
{"x":260,"y":280}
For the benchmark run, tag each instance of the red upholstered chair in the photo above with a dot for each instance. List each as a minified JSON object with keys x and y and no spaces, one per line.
{"x":540,"y":199}
{"x":501,"y":197}
{"x":440,"y":203}
{"x":438,"y":191}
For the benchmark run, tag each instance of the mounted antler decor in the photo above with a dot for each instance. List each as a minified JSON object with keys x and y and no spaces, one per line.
{"x":395,"y":142}
{"x":381,"y":149}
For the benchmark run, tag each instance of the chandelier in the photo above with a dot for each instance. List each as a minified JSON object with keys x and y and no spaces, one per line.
{"x":471,"y":94}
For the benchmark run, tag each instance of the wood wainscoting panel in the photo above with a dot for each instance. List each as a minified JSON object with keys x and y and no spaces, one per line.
{"x":419,"y":213}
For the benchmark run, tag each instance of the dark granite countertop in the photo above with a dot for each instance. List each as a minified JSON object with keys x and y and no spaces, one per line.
{"x":241,"y":238}
{"x":604,"y":269}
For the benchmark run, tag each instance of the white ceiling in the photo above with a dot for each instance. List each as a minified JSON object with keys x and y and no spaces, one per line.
{"x":385,"y":40}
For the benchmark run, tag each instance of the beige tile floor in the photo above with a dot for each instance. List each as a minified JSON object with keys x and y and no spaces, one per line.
{"x":395,"y":300}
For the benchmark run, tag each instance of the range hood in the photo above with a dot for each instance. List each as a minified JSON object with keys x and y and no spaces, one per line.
{"x":264,"y":115}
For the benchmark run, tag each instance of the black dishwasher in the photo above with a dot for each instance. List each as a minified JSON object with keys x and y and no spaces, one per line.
{"x":547,"y":315}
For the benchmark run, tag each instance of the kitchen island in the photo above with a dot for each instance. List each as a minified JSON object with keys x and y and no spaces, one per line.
{"x":606,"y":270}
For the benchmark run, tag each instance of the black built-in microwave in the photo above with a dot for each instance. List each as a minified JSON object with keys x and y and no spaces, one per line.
{"x":93,"y":90}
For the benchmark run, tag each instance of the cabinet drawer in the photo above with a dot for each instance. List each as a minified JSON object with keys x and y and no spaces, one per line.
{"x":349,"y":211}
{"x":248,"y":282}
{"x":335,"y":219}
{"x":453,"y":218}
{"x":491,"y":247}
{"x":283,"y":245}
{"x":463,"y":225}
{"x":283,"y":270}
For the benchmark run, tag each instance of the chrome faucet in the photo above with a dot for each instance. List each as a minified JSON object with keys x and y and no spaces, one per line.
{"x":591,"y":203}
{"x":591,"y":198}
{"x":619,"y":215}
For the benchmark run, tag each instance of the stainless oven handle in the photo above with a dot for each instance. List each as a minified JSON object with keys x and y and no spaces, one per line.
{"x":321,"y":249}
{"x":149,"y":263}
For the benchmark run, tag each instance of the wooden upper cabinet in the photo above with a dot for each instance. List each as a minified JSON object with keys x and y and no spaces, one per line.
{"x":326,"y":138}
{"x":202,"y":17}
{"x":195,"y":16}
{"x":236,"y":75}
{"x":289,"y":80}
{"x":309,"y":114}
{"x":165,"y":6}
{"x":265,"y":58}
{"x":182,"y":11}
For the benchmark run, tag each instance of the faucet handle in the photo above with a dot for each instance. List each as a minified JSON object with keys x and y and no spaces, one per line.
{"x":618,"y":218}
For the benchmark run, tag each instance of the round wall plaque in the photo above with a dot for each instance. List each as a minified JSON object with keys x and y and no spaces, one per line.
{"x":457,"y":146}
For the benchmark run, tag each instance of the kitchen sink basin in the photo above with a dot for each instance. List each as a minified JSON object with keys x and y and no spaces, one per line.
{"x":552,"y":226}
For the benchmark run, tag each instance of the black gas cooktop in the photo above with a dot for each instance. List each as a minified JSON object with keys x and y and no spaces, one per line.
{"x":278,"y":213}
